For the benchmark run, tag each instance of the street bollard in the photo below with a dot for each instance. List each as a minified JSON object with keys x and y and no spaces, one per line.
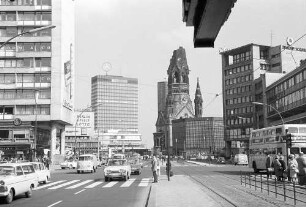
{"x":284,"y":188}
{"x":275,"y":188}
{"x":268,"y":185}
{"x":261,"y":182}
{"x":294,"y":196}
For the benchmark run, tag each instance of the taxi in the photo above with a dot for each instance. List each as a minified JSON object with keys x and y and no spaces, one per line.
{"x":117,"y":169}
{"x":43,"y":174}
{"x":17,"y":179}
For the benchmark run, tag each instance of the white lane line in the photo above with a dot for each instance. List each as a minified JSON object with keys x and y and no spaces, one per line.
{"x":111,"y":184}
{"x":79,"y":191}
{"x":128,"y":183}
{"x":55,"y":203}
{"x":79,"y":184}
{"x":144,"y":182}
{"x":64,"y":184}
{"x":50,"y":184}
{"x":94,"y":185}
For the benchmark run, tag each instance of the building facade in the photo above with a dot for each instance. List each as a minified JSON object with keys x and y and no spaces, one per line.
{"x":194,"y":136}
{"x":287,"y":96}
{"x":36,"y":76}
{"x":114,"y":100}
{"x":240,"y":67}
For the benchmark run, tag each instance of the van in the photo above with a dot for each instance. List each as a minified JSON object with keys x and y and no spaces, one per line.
{"x":87,"y":163}
{"x":241,"y":159}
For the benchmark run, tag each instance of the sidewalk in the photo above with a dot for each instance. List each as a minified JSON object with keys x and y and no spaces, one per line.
{"x":180,"y":191}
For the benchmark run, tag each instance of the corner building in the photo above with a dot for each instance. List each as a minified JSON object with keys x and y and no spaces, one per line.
{"x":240,"y":67}
{"x":40,"y":63}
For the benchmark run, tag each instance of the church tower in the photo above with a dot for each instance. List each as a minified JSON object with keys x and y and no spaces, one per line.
{"x":198,"y":101}
{"x":179,"y":104}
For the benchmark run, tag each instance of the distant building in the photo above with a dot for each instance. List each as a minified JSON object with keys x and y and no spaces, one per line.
{"x":36,"y":76}
{"x":240,"y":67}
{"x":114,"y":101}
{"x":193,"y":136}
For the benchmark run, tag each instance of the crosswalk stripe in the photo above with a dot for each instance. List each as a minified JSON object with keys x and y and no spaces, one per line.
{"x":79,"y":184}
{"x":94,"y":185}
{"x":111,"y":184}
{"x":144,"y":182}
{"x":50,"y":184}
{"x":127,"y":183}
{"x":64,"y":184}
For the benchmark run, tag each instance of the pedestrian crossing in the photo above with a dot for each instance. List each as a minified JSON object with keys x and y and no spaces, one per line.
{"x":89,"y":184}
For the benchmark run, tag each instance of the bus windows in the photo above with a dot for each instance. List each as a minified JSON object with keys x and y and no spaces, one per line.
{"x":293,"y":130}
{"x":279,"y":151}
{"x":302,"y":129}
{"x":294,"y":150}
{"x":303,"y":149}
{"x":279,"y":130}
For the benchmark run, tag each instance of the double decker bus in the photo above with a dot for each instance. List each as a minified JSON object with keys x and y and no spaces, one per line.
{"x":272,"y":141}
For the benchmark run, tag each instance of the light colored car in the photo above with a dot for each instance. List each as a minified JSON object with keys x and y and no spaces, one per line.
{"x":42,"y":172}
{"x":241,"y":159}
{"x":69,"y":164}
{"x":136,"y":166}
{"x":17,"y":179}
{"x":118,"y":169}
{"x":87,"y":163}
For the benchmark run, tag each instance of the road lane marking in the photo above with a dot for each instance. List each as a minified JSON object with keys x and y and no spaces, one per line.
{"x":94,"y":185}
{"x":144,"y":182}
{"x":128,"y":183}
{"x":79,"y":184}
{"x":55,"y":203}
{"x":48,"y":185}
{"x":79,"y":191}
{"x":111,"y":184}
{"x":64,"y":184}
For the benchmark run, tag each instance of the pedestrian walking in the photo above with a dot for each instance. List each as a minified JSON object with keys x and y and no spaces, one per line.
{"x":269,"y":168}
{"x":293,"y":168}
{"x":301,"y":160}
{"x":158,"y":167}
{"x":154,"y":169}
{"x":283,"y":168}
{"x":277,"y":168}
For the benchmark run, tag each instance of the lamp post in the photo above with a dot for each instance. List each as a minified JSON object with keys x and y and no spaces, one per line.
{"x":27,"y":32}
{"x":36,"y":94}
{"x":176,"y":147}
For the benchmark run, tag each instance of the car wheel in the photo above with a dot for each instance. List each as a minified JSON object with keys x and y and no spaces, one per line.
{"x":28,"y":194}
{"x":63,"y":168}
{"x":9,"y":197}
{"x":78,"y":171}
{"x":45,"y":181}
{"x":106,"y":179}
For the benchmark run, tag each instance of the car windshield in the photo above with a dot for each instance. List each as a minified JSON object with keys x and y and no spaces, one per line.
{"x":7,"y":170}
{"x":116,"y":162}
{"x":134,"y":162}
{"x":85,"y":158}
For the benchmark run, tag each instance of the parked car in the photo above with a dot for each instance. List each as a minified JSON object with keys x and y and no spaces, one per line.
{"x":221,"y":160}
{"x":136,"y":166}
{"x":71,"y":164}
{"x":42,"y":172}
{"x":117,"y":169}
{"x":87,"y":163}
{"x":17,"y":179}
{"x":241,"y":159}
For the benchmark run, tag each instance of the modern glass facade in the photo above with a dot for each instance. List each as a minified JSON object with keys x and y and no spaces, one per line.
{"x":198,"y":135}
{"x":114,"y":100}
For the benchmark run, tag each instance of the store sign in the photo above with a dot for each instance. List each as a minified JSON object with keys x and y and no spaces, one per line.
{"x":294,"y":48}
{"x":17,"y":122}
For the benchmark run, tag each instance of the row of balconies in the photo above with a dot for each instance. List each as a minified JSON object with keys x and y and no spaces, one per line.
{"x":24,"y":69}
{"x":24,"y":23}
{"x":26,"y":117}
{"x":27,"y":39}
{"x":19,"y":140}
{"x":24,"y":85}
{"x":23,"y":54}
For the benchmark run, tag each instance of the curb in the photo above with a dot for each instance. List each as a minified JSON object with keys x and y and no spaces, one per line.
{"x":151,"y":199}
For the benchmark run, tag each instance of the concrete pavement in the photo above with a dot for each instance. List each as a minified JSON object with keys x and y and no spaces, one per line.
{"x":180,"y":191}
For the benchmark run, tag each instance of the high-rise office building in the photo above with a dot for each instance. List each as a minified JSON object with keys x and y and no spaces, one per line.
{"x":162,"y":92}
{"x":240,"y":67}
{"x":114,"y":100}
{"x":36,"y":76}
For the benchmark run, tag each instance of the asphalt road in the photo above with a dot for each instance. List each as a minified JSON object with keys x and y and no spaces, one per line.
{"x":67,"y":188}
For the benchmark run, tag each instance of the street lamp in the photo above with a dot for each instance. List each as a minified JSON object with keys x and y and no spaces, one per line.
{"x":36,"y":95}
{"x":27,"y":32}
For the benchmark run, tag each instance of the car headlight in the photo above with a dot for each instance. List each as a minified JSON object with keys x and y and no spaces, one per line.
{"x":2,"y":182}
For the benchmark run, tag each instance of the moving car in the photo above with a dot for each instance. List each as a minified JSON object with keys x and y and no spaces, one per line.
{"x":241,"y":159}
{"x":136,"y":166}
{"x":69,"y":164}
{"x":221,"y":160}
{"x":87,"y":162}
{"x":118,"y":169}
{"x":17,"y":179}
{"x":42,"y":172}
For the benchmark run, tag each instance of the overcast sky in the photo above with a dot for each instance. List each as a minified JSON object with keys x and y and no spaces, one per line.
{"x":138,"y":37}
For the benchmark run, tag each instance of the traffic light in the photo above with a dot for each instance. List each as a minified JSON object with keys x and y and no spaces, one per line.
{"x":288,"y":140}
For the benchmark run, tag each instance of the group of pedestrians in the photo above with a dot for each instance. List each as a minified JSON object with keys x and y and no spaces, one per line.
{"x":295,"y":171}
